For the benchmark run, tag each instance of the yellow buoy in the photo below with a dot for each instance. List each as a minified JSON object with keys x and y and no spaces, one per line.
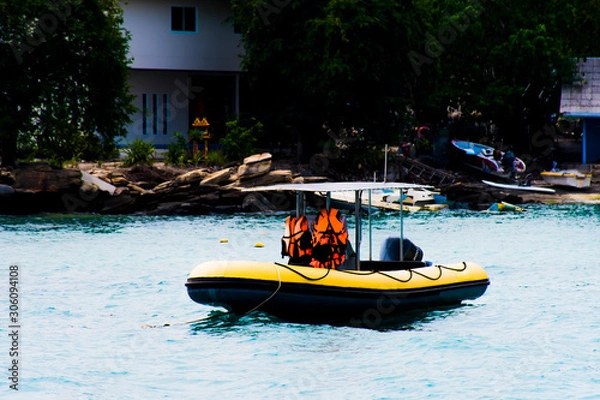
{"x":259,"y":244}
{"x":224,"y":241}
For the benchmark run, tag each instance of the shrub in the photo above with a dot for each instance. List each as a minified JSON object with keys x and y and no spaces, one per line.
{"x":240,"y":138}
{"x":216,"y":158}
{"x":177,"y":150}
{"x":196,"y":135}
{"x":139,"y":152}
{"x":197,"y":158}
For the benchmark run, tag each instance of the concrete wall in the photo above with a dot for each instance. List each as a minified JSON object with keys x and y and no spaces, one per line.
{"x":214,"y":47}
{"x":164,"y":63}
{"x":162,"y":119}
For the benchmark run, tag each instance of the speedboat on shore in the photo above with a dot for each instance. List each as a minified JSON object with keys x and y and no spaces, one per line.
{"x":484,"y":158}
{"x":326,"y":279}
{"x":570,"y":177}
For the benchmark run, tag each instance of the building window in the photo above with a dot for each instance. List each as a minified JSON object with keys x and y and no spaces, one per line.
{"x":183,"y":19}
{"x":155,"y":113}
{"x":144,"y":114}
{"x":165,"y":114}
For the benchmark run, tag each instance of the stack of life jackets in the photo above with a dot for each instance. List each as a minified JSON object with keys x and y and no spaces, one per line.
{"x":297,"y":240}
{"x":324,"y":247}
{"x":329,"y":239}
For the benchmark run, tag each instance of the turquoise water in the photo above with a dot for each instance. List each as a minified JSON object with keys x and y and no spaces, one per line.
{"x":90,"y":286}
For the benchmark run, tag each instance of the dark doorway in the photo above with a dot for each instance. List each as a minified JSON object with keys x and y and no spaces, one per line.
{"x":213,"y":98}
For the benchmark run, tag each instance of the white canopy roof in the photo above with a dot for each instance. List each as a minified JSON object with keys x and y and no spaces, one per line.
{"x":336,"y":186}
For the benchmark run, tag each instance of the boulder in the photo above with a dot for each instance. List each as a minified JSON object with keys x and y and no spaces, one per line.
{"x":271,"y":178}
{"x":257,"y":158}
{"x":164,"y":187}
{"x":99,"y":183}
{"x":253,"y":166}
{"x":7,"y":177}
{"x":88,"y":190}
{"x":118,"y":204}
{"x":191,"y":177}
{"x":137,"y":189}
{"x":147,"y":176}
{"x":6,"y":190}
{"x":217,"y":178}
{"x":118,"y":179}
{"x":40,"y":177}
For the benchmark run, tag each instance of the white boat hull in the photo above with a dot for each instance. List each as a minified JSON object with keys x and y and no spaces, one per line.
{"x":517,"y":187}
{"x":569,"y":178}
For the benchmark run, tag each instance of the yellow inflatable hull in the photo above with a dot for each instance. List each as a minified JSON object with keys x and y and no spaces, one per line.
{"x":295,"y":292}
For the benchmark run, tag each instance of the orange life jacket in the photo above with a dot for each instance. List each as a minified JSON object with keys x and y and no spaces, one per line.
{"x":330,"y":239}
{"x":297,"y":240}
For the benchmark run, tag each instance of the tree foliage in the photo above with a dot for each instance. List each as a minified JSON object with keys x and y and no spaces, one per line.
{"x":240,"y":138}
{"x":64,"y":87}
{"x":505,"y":61}
{"x":377,"y":65}
{"x":336,"y":62}
{"x":139,"y":152}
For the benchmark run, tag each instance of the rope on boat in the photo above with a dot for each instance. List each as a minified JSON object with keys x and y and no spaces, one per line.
{"x":272,"y":294}
{"x":357,"y":272}
{"x":351,"y":272}
{"x":455,"y":269}
{"x":412,"y":271}
{"x":410,"y":275}
{"x":308,"y":278}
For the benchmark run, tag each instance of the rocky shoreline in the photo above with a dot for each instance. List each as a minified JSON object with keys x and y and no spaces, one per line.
{"x":159,"y":189}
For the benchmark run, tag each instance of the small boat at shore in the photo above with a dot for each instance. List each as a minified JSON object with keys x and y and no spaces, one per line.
{"x":326,"y":279}
{"x":570,"y":178}
{"x":484,"y":158}
{"x":506,"y":186}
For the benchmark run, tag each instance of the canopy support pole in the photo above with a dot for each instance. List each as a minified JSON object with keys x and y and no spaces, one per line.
{"x":401,"y":225}
{"x":385,"y":164}
{"x":357,"y":226}
{"x":300,"y":204}
{"x":370,"y":231}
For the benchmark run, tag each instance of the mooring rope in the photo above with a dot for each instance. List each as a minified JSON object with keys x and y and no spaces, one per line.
{"x":272,"y":294}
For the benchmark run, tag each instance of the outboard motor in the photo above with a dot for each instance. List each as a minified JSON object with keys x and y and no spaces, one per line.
{"x":390,"y":250}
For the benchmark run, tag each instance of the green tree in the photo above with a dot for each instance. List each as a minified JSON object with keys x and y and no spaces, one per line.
{"x":504,"y":61}
{"x":334,"y":63}
{"x":64,"y":77}
{"x":240,"y":138}
{"x":374,"y":64}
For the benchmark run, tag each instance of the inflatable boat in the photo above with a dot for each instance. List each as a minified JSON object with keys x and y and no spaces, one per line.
{"x":316,"y":285}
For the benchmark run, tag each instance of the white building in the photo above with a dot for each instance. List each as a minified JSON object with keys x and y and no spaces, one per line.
{"x":581,"y":99}
{"x":186,"y":65}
